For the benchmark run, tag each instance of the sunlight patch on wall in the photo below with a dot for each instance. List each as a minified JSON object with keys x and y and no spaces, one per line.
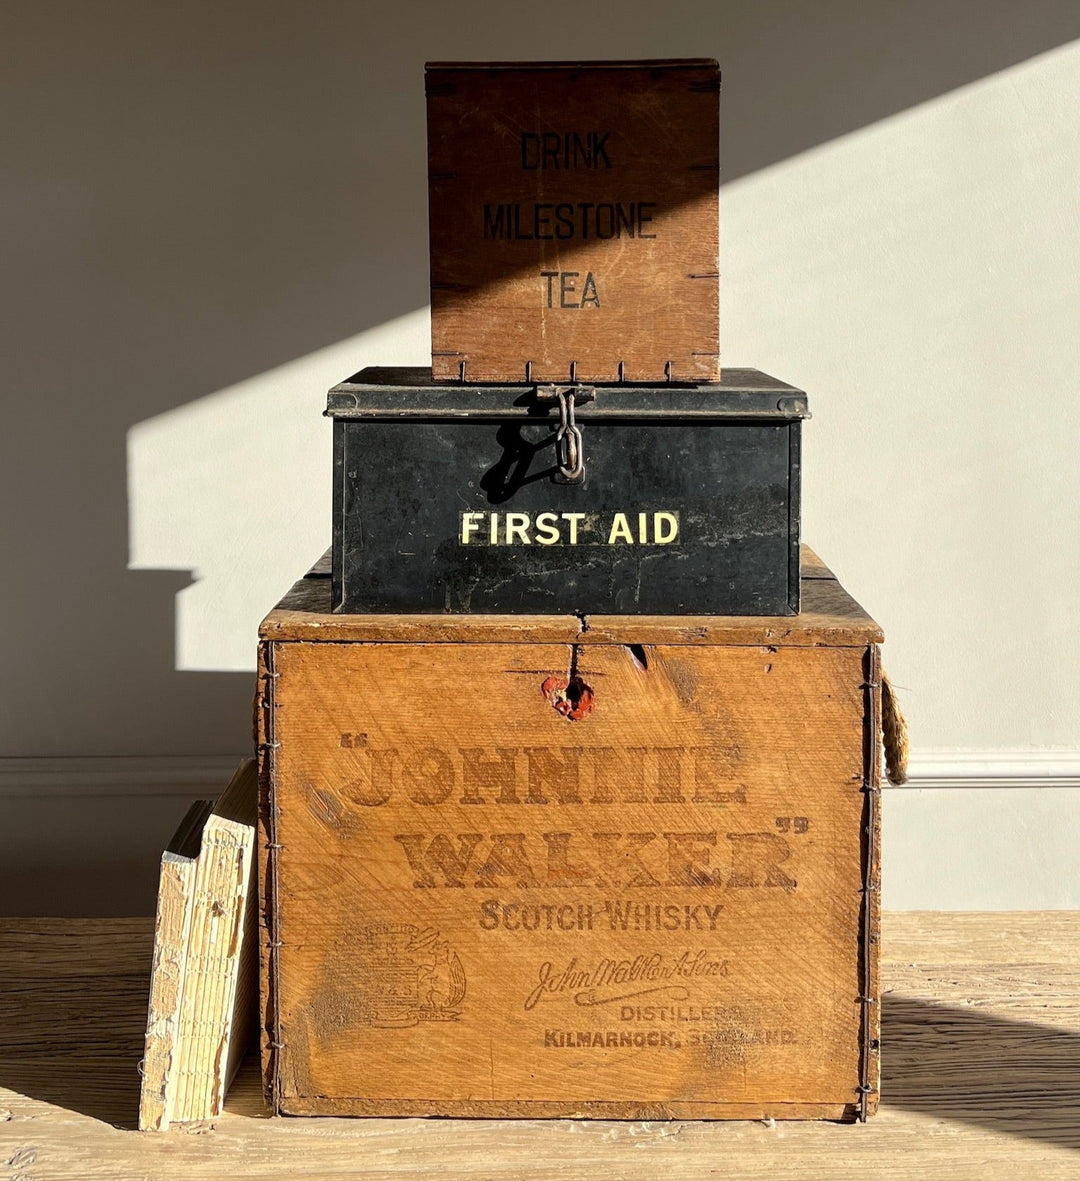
{"x":920,"y":279}
{"x":235,"y":487}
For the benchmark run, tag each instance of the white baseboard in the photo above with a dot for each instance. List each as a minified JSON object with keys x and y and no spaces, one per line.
{"x":994,"y":768}
{"x":971,"y":830}
{"x":105,"y":778}
{"x":200,"y":775}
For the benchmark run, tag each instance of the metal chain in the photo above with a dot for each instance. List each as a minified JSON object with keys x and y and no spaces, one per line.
{"x":569,"y":450}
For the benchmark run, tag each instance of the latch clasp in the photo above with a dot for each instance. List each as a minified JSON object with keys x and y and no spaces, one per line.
{"x":569,"y":447}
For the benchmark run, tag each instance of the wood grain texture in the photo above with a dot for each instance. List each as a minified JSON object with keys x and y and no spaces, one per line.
{"x":829,"y":616}
{"x":1014,"y":937}
{"x":981,"y":1036}
{"x":484,"y":908}
{"x":574,"y":217}
{"x":54,"y":947}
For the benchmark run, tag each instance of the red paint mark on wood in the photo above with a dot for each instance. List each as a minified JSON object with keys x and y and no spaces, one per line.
{"x":572,"y":698}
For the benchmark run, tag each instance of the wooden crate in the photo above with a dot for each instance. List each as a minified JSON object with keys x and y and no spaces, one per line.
{"x":552,"y":866}
{"x":574,"y":219}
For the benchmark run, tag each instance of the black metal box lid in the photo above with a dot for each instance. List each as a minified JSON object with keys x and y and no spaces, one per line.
{"x":400,"y":392}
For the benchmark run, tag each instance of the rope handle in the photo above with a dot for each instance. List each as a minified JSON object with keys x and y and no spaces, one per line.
{"x":895,"y":734}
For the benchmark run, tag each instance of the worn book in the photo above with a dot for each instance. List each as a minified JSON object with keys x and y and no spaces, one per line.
{"x":202,"y":1011}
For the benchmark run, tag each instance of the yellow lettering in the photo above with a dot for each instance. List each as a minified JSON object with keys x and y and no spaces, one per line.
{"x":573,"y":518}
{"x":620,"y":530}
{"x":470,"y":523}
{"x":669,"y":519}
{"x":547,"y":532}
{"x":516,"y":526}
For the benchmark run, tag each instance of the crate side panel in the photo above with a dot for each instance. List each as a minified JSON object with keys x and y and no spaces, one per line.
{"x":482,"y":902}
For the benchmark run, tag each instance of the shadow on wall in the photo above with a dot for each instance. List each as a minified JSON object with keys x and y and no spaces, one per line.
{"x":204,"y":193}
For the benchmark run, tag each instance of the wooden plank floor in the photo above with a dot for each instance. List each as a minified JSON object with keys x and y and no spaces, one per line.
{"x":980,"y":1053}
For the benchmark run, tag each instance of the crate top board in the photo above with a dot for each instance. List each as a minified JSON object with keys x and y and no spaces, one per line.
{"x":830,"y":618}
{"x":574,"y":220}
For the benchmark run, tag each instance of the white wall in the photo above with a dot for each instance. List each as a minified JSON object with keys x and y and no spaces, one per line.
{"x":922,"y":277}
{"x":216,"y":211}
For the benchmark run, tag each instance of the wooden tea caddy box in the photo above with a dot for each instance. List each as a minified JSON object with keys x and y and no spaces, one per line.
{"x":619,"y":866}
{"x":574,"y":220}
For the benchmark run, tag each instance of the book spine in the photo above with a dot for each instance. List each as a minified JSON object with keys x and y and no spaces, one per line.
{"x":245,"y":1003}
{"x":204,"y":1014}
{"x":161,"y":1052}
{"x":235,"y":944}
{"x":221,"y":909}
